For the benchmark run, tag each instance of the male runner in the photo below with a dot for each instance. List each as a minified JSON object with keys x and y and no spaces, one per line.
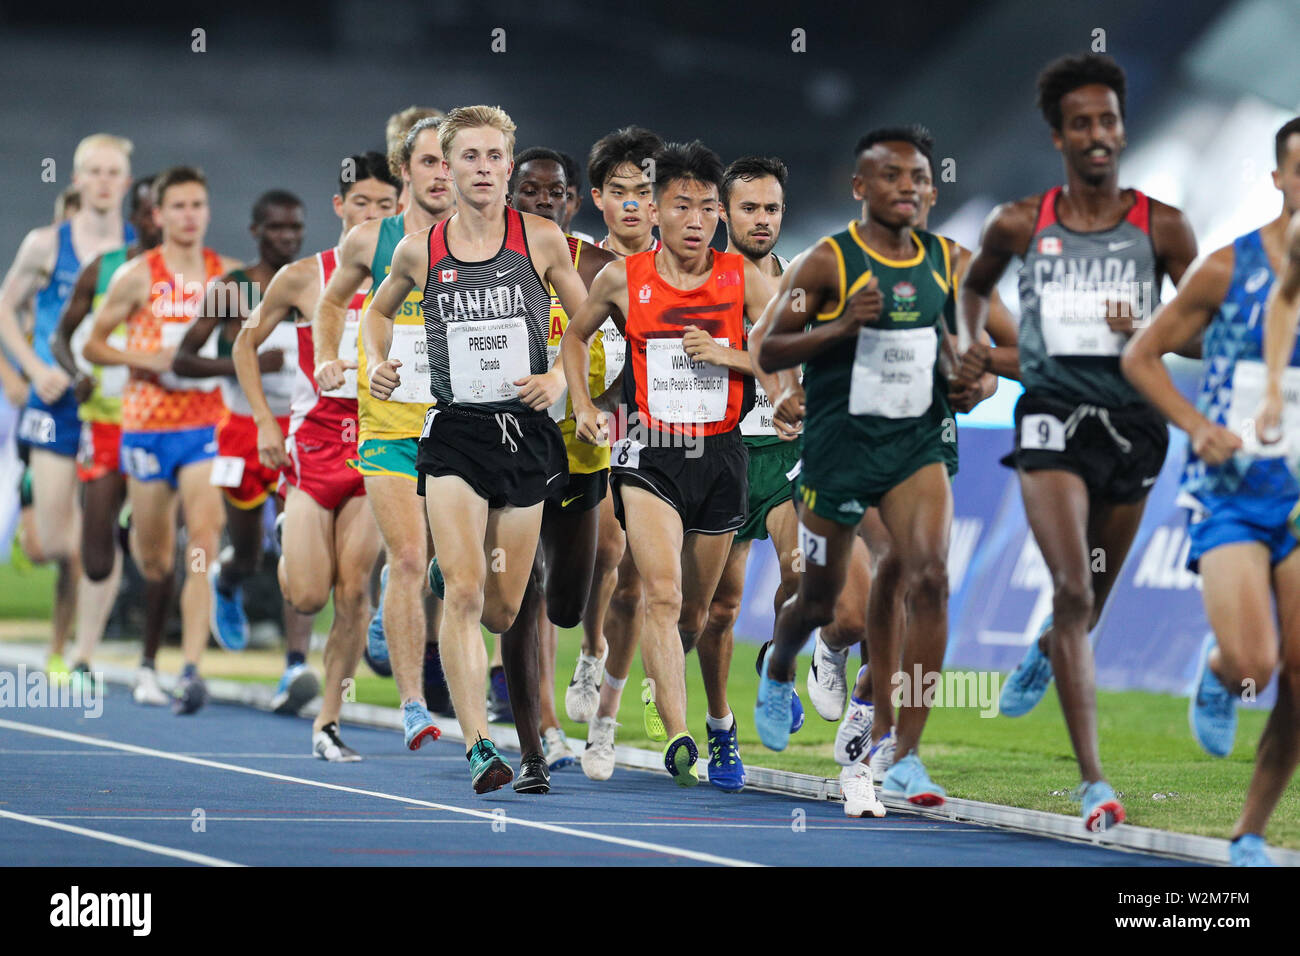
{"x":572,"y":196}
{"x":679,"y":474}
{"x":168,"y":424}
{"x":879,"y":429}
{"x":1088,"y":447}
{"x":99,"y":392}
{"x":571,"y":515}
{"x":277,"y":228}
{"x":618,"y":168}
{"x":390,"y":429}
{"x":1240,"y":493}
{"x":489,"y":453}
{"x":395,"y":130}
{"x":330,"y":540}
{"x":41,"y":278}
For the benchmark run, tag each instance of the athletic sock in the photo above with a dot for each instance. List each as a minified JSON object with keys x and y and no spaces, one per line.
{"x":719,"y":723}
{"x":613,"y":682}
{"x":294,"y":658}
{"x":147,"y":663}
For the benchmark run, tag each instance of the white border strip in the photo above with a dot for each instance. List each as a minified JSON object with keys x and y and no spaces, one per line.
{"x":185,"y":855}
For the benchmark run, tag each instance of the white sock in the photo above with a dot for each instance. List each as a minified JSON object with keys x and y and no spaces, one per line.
{"x":613,"y":682}
{"x":719,"y":723}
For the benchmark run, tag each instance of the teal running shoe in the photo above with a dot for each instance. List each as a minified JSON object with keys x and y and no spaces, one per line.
{"x":1249,"y":849}
{"x":376,"y":652}
{"x":908,"y":779}
{"x":1212,"y":710}
{"x":1028,"y":682}
{"x":437,"y":584}
{"x":1101,"y":808}
{"x":227,"y":619}
{"x":772,"y":710}
{"x":418,"y":724}
{"x":487,"y":769}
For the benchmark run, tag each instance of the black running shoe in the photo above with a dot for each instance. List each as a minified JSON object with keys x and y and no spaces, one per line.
{"x":534,"y":775}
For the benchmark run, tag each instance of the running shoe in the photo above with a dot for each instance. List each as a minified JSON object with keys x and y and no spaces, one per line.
{"x":907,"y":779}
{"x":880,"y":756}
{"x":229,"y":623}
{"x":583,"y":694}
{"x":436,"y":582}
{"x":598,"y":758}
{"x":772,"y":711}
{"x":418,"y":724}
{"x":556,"y":745}
{"x":680,"y":757}
{"x":859,"y":794}
{"x":726,"y":771}
{"x":80,"y":679}
{"x":56,"y":669}
{"x":298,"y":686}
{"x":487,"y":768}
{"x":190,"y":694}
{"x":146,"y":689}
{"x":1212,"y":709}
{"x":827,"y":682}
{"x":328,"y":745}
{"x":853,"y":738}
{"x":1249,"y":849}
{"x":376,"y":653}
{"x":498,"y":701}
{"x":654,"y":724}
{"x":1101,"y":808}
{"x":796,"y":705}
{"x":1028,"y":682}
{"x":534,"y":775}
{"x":436,"y":691}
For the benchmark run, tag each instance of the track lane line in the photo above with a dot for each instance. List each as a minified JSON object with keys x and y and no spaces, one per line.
{"x":120,"y":840}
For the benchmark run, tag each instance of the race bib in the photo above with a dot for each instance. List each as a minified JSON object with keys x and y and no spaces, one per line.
{"x":893,"y":372}
{"x":615,"y":351}
{"x":1074,"y":318}
{"x":112,"y":378}
{"x":348,"y":350}
{"x":759,"y":420}
{"x":558,"y":411}
{"x":227,"y":471}
{"x":626,"y":453}
{"x":410,"y":347}
{"x":1248,"y":381}
{"x":487,"y":358}
{"x":172,"y":334}
{"x":1042,"y":433}
{"x":681,"y":389}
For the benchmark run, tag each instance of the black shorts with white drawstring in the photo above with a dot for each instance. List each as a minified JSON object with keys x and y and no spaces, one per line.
{"x":1118,"y":452}
{"x":508,"y":458}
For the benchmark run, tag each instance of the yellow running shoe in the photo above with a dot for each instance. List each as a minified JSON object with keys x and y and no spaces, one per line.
{"x":680,"y":757}
{"x":654,"y":725}
{"x":57,"y":669}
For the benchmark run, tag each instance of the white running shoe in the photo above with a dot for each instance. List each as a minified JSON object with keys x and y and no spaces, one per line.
{"x":853,"y":738}
{"x":582,"y":696}
{"x":328,"y":745}
{"x":828,"y":685}
{"x":859,"y":794}
{"x":147,"y":690}
{"x":556,"y":749}
{"x":598,"y":758}
{"x":881,"y":756}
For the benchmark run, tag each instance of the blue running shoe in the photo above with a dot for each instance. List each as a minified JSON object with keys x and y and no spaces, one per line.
{"x":796,"y":705}
{"x":1101,"y":808}
{"x":1028,"y":682}
{"x":498,"y":702}
{"x":772,"y":711}
{"x":229,"y":623}
{"x":298,"y":687}
{"x":1249,"y":849}
{"x":907,"y":779}
{"x":436,"y":582}
{"x":1212,"y":711}
{"x":726,"y":772}
{"x":487,"y":769}
{"x":419,"y":725}
{"x":376,"y":642}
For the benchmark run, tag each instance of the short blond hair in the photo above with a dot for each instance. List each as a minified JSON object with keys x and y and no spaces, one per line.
{"x":474,"y":117}
{"x":399,"y":124}
{"x":98,"y":140}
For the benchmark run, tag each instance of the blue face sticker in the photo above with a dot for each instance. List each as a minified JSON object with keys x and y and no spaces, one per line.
{"x":631,"y":205}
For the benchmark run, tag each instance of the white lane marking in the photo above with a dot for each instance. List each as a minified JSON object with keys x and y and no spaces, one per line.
{"x":480,"y":814}
{"x":120,"y":840}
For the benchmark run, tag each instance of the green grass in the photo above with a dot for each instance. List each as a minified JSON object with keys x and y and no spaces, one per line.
{"x":26,"y":591}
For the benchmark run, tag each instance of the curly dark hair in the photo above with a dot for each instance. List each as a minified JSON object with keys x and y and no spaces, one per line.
{"x":1068,"y":73}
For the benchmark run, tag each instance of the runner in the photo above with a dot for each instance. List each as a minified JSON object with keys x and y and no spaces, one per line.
{"x":1088,"y":448}
{"x":571,"y":515}
{"x":611,"y":623}
{"x":1239,"y":493}
{"x":572,"y":196}
{"x":874,"y":381}
{"x":41,"y":279}
{"x":389,"y":430}
{"x":330,"y":540}
{"x":99,"y":393}
{"x":489,"y":453}
{"x":277,"y":226}
{"x":168,"y":425}
{"x":679,"y":473}
{"x":395,"y":130}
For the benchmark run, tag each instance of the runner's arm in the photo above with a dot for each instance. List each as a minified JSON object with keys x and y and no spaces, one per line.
{"x":127,"y":291}
{"x":1006,"y":232}
{"x":355,"y":255}
{"x":1280,"y":320}
{"x":223,"y":301}
{"x":782,"y":387}
{"x":607,"y":298}
{"x":410,"y":259}
{"x":30,"y":268}
{"x":549,"y":245}
{"x":78,"y":307}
